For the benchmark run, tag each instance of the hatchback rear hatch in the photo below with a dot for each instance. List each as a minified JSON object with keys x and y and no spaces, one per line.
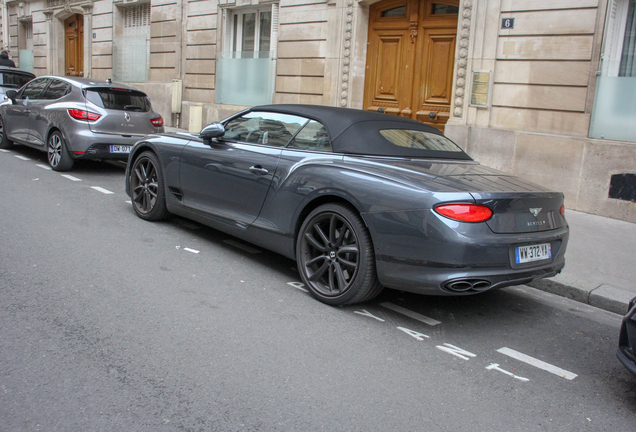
{"x":518,"y":206}
{"x":128,"y":111}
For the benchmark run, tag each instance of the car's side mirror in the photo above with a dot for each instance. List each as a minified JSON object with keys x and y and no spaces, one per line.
{"x":11,"y":94}
{"x":212,"y":131}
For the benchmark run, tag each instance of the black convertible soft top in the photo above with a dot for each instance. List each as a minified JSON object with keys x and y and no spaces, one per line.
{"x":356,"y":131}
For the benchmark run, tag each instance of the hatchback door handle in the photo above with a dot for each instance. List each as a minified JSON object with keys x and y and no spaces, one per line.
{"x":257,"y":169}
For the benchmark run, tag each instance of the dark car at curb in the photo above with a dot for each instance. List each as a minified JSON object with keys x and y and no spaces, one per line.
{"x":12,"y":79}
{"x":360,"y":200}
{"x":74,"y":118}
{"x":627,"y":340}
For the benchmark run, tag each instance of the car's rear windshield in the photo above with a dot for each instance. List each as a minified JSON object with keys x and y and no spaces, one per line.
{"x":14,"y":80}
{"x":118,"y":99}
{"x":419,"y":140}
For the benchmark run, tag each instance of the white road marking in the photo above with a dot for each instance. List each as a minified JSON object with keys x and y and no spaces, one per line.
{"x":496,"y":367}
{"x":409,"y":313}
{"x":242,"y":246}
{"x":102,"y":190}
{"x":70,"y":177}
{"x":191,"y":250}
{"x":537,"y":363}
{"x":46,"y":167}
{"x":365,"y":312}
{"x":5,"y":151}
{"x":128,"y":202}
{"x":22,"y":157}
{"x":417,"y":335}
{"x":456,"y":351}
{"x":298,"y":285}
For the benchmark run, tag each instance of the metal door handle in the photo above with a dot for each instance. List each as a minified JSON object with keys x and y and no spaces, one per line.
{"x":257,"y":169}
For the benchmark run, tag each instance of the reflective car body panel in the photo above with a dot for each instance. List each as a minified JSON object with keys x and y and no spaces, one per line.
{"x":43,"y":105}
{"x":627,"y":340}
{"x":263,"y":193}
{"x":12,"y":79}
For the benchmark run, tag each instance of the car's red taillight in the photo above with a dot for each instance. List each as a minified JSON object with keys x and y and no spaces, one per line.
{"x":157,"y":121}
{"x":465,"y":212}
{"x":562,"y":210}
{"x":83,"y":115}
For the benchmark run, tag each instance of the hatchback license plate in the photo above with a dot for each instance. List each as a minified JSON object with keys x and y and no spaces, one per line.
{"x":120,"y":149}
{"x":524,"y":254}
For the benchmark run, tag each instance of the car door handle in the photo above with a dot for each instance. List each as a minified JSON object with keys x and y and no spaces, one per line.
{"x":257,"y":169}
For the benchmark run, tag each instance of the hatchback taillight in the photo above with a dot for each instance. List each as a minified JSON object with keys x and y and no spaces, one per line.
{"x":465,"y":212}
{"x":562,"y":210}
{"x":157,"y":121}
{"x":83,"y":115}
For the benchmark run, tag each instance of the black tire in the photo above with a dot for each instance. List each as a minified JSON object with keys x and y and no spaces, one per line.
{"x":147,"y":188}
{"x":4,"y":141}
{"x":57,"y":152}
{"x":335,"y":256}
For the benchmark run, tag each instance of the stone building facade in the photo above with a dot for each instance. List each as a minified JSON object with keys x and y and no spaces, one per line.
{"x":540,"y":88}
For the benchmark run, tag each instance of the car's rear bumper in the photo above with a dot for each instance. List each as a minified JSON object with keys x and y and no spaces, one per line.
{"x":85,"y":144}
{"x":422,"y":252}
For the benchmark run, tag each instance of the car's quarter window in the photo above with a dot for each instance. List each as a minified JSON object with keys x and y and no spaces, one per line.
{"x":56,"y":90}
{"x":313,"y":137}
{"x":33,"y":89}
{"x":267,"y":128}
{"x":118,"y":99}
{"x":419,"y":140}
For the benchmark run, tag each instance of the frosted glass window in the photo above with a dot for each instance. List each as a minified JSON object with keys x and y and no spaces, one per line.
{"x":244,"y":70}
{"x":130,"y":50}
{"x":615,"y":95}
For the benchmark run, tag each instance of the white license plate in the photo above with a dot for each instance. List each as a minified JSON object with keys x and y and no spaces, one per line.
{"x":120,"y":149}
{"x":524,"y":254}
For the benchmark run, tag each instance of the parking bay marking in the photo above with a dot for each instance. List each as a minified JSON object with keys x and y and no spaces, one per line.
{"x":102,"y":190}
{"x":409,"y":313}
{"x":5,"y":151}
{"x":70,"y":177}
{"x":22,"y":157}
{"x":46,"y":167}
{"x":537,"y":363}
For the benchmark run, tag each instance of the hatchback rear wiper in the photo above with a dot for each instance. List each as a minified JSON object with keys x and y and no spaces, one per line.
{"x":132,"y":108}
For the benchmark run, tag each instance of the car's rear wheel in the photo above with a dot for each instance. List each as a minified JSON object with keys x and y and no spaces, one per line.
{"x":147,"y":188}
{"x":59,"y":157}
{"x":335,"y":256}
{"x":4,"y":141}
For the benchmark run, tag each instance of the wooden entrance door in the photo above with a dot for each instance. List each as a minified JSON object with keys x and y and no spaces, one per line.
{"x":74,"y":45}
{"x":410,"y":59}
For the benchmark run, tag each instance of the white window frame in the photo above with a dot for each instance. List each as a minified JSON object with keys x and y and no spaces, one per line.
{"x":615,"y":23}
{"x":234,"y":33}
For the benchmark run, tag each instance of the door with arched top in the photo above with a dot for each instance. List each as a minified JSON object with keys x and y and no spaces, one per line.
{"x":410,"y":59}
{"x":74,"y":45}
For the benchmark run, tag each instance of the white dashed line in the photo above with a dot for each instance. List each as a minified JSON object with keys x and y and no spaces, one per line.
{"x":298,"y":285}
{"x":46,"y":167}
{"x":537,"y":363}
{"x":242,"y":246}
{"x":191,"y":250}
{"x":102,"y":190}
{"x":496,"y":367}
{"x":128,"y":202}
{"x":5,"y":151}
{"x":22,"y":157}
{"x":70,"y":177}
{"x":409,"y":313}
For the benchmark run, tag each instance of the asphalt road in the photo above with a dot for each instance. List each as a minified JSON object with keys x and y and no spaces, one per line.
{"x":111,"y":323}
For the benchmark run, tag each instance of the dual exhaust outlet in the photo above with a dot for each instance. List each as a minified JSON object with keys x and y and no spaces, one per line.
{"x":464,"y":285}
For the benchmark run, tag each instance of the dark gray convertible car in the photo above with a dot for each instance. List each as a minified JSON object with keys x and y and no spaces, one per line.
{"x":360,"y":200}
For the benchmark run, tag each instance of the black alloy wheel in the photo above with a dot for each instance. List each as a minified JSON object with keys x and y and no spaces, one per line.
{"x":4,"y":141}
{"x":335,"y":256}
{"x":147,"y":188}
{"x":57,"y":152}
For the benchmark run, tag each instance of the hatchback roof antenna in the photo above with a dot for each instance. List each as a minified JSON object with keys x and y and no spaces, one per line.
{"x":109,"y":81}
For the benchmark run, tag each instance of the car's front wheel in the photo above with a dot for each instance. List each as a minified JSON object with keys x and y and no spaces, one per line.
{"x":147,"y":188}
{"x":59,"y":157}
{"x":335,"y":256}
{"x":4,"y":141}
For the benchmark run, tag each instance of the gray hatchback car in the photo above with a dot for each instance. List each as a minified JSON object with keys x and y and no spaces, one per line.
{"x":77,"y":118}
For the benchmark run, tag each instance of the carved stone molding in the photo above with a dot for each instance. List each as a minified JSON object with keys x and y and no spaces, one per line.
{"x":346,"y":54}
{"x":462,"y":62}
